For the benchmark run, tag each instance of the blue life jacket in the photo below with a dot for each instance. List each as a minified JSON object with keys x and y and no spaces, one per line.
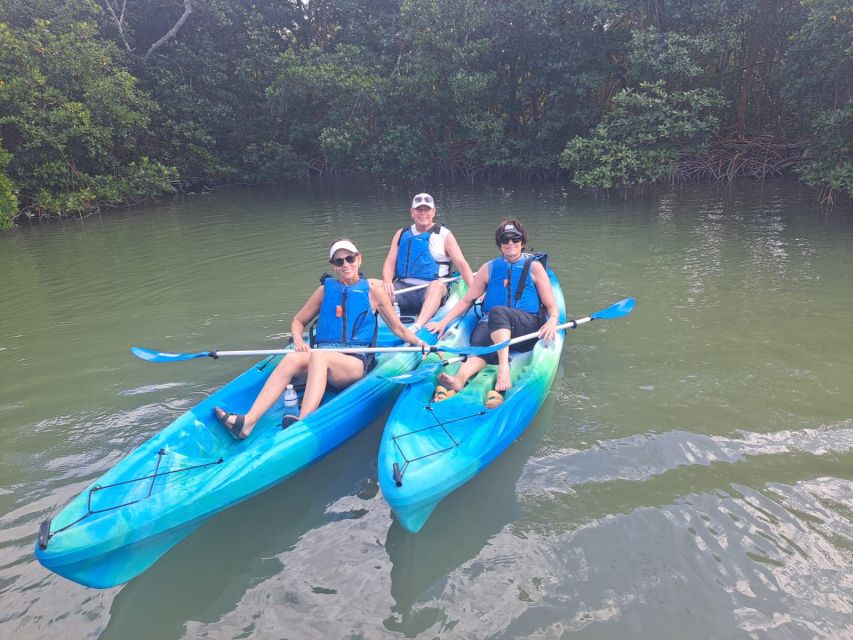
{"x":345,"y":315}
{"x":510,"y":284}
{"x":414,"y":259}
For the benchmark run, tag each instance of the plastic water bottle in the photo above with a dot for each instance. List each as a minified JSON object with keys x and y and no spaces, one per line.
{"x":396,"y":307}
{"x":291,"y":401}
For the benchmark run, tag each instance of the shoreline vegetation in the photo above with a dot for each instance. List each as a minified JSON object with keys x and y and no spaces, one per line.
{"x":110,"y":102}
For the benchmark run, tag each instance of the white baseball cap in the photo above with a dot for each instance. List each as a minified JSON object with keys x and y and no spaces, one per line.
{"x":341,"y":244}
{"x":423,"y":199}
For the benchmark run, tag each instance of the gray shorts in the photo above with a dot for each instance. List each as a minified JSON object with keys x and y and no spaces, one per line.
{"x":412,"y":301}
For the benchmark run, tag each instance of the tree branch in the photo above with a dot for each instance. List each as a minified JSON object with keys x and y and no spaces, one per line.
{"x":188,"y":9}
{"x":119,"y":20}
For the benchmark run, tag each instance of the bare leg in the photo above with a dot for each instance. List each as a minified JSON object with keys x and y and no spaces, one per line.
{"x":291,"y":365}
{"x":468,"y":368}
{"x":432,"y":301}
{"x":504,"y":379}
{"x":342,"y":369}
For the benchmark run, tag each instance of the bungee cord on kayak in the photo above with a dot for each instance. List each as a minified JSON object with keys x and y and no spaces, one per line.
{"x":45,"y":534}
{"x":399,"y":470}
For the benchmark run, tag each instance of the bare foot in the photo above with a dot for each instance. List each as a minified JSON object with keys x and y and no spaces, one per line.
{"x":451,"y":382}
{"x":503,"y":380}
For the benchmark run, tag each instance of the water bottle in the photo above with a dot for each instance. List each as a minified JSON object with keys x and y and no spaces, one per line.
{"x":396,"y":308}
{"x":291,"y":401}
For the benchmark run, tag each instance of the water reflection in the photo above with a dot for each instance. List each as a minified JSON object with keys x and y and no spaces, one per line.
{"x":203,"y":577}
{"x":693,"y":481}
{"x":456,"y":532}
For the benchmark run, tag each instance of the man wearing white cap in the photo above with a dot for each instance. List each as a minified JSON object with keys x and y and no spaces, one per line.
{"x":421,"y":254}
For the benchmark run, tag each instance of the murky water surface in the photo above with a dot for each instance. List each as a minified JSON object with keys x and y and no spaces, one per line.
{"x":691,"y":474}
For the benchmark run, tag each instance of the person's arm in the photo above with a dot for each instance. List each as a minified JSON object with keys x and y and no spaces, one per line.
{"x":305,"y":315}
{"x":455,"y":253}
{"x":477,"y":288}
{"x":390,"y":265}
{"x":547,"y":331}
{"x":382,"y":302}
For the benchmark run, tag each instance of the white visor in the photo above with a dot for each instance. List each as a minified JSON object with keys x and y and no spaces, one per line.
{"x":342,"y":244}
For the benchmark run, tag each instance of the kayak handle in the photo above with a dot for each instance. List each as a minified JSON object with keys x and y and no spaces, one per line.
{"x":398,"y":475}
{"x":44,"y":534}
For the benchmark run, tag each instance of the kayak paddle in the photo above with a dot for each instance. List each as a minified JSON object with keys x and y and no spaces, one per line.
{"x":152,"y":355}
{"x":425,"y":285}
{"x":618,"y":310}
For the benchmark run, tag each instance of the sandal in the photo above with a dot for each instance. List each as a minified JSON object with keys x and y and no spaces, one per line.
{"x":442,"y":393}
{"x":494,"y":399}
{"x":236,"y":429}
{"x":288,"y":420}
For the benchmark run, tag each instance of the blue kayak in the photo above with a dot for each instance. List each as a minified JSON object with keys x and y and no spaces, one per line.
{"x":122,"y":523}
{"x":429,"y":449}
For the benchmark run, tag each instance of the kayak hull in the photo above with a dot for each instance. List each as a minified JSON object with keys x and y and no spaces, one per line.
{"x":430,"y":449}
{"x":157,"y":495}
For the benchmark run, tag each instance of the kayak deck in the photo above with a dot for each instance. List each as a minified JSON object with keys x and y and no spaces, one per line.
{"x":429,"y":449}
{"x":121,"y":524}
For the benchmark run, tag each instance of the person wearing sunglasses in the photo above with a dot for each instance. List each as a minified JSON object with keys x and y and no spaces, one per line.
{"x":518,"y":300}
{"x":422,"y":253}
{"x":345,"y":307}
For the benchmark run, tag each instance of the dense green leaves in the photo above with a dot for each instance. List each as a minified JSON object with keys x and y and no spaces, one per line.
{"x":641,"y":139}
{"x":74,"y":124}
{"x":617,"y":93}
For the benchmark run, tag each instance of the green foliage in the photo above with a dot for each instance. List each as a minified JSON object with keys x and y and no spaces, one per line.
{"x":618,"y":92}
{"x":641,"y":139}
{"x":8,"y":192}
{"x":72,"y":121}
{"x":829,"y":155}
{"x":325,"y":102}
{"x":664,"y":56}
{"x":818,"y":72}
{"x":818,"y":65}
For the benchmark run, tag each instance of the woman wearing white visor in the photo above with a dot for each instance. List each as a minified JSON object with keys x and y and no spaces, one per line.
{"x":345,"y":307}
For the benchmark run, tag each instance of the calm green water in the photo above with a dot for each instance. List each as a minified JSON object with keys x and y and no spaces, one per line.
{"x":691,"y":474}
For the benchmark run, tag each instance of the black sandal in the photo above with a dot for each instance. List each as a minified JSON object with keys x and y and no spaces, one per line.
{"x":236,"y":429}
{"x":288,"y":420}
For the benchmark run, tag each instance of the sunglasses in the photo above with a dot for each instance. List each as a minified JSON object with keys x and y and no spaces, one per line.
{"x":420,"y":200}
{"x":508,"y":239}
{"x":339,"y":262}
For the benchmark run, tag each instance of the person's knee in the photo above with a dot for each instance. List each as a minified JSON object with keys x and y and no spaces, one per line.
{"x":436,"y":288}
{"x":318,"y":358}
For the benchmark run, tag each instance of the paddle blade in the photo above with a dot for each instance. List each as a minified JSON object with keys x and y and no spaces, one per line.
{"x":421,"y":373}
{"x":475,"y":351}
{"x":150,"y":355}
{"x":618,"y":310}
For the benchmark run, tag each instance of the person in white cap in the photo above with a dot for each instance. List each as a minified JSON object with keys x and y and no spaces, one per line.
{"x":518,"y":300}
{"x":345,"y":307}
{"x":422,"y":253}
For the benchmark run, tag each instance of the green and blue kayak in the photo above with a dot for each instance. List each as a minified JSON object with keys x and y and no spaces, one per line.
{"x":429,"y":449}
{"x":129,"y":517}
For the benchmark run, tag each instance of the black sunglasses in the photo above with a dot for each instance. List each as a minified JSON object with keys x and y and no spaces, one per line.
{"x":508,"y":239}
{"x":339,"y":262}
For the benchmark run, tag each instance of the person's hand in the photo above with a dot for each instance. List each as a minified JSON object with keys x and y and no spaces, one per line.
{"x":436,"y":327}
{"x":548,"y":331}
{"x":300,"y":346}
{"x":389,"y":288}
